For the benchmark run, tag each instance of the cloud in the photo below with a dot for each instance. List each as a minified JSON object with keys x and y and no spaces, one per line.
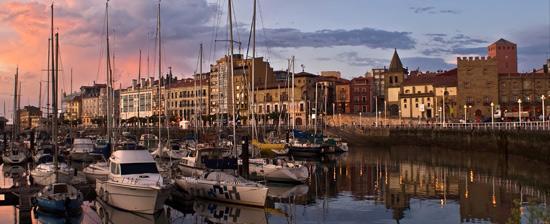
{"x":433,"y":10}
{"x":354,"y":59}
{"x":368,"y":37}
{"x":439,"y":44}
{"x":426,"y":64}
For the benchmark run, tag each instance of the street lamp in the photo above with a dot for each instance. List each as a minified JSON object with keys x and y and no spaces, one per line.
{"x":399,"y":117}
{"x":439,"y":116}
{"x":543,"y":114}
{"x":519,"y":110}
{"x":385,"y":108}
{"x":492,"y":114}
{"x":465,"y":114}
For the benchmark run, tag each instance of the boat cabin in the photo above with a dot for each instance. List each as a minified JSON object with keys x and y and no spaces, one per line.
{"x":129,"y":162}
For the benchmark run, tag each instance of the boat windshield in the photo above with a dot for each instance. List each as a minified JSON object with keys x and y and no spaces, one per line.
{"x":138,"y":168}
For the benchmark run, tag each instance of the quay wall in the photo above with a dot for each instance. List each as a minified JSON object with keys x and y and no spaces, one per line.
{"x":525,"y":143}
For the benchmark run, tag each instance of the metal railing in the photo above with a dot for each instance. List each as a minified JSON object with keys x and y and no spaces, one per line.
{"x":524,"y":125}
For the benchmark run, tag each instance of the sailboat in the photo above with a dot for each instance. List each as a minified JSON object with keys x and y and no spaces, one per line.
{"x":16,"y":153}
{"x":58,"y":197}
{"x":220,"y":185}
{"x":134,"y":182}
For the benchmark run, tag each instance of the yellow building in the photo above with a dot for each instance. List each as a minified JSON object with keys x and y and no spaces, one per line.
{"x":274,"y":101}
{"x":422,"y":95}
{"x":72,"y":107}
{"x":188,"y":97}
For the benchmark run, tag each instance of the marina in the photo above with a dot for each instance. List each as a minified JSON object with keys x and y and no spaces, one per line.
{"x":229,"y":130}
{"x":382,"y":185}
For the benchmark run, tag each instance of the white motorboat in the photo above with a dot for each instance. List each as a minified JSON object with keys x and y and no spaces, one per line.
{"x":81,"y":149}
{"x":98,"y":170}
{"x":224,"y":187}
{"x":15,"y":154}
{"x":45,"y":173}
{"x":193,"y":163}
{"x":134,"y":183}
{"x":278,"y":171}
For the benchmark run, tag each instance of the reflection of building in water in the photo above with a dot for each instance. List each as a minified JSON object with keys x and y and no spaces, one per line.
{"x":394,"y":184}
{"x":483,"y":201}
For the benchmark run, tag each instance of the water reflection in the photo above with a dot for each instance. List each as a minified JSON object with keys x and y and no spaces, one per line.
{"x":366,"y":185}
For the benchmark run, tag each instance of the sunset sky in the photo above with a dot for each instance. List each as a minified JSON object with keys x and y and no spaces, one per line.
{"x":351,"y":36}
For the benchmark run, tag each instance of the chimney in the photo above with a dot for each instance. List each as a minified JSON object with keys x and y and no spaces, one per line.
{"x":142,"y":83}
{"x":134,"y":83}
{"x":545,"y":68}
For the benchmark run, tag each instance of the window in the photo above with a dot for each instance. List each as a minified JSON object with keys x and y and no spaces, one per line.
{"x":417,"y":105}
{"x":260,"y":109}
{"x":268,"y":109}
{"x":138,"y":168}
{"x":301,"y":107}
{"x":276,"y":108}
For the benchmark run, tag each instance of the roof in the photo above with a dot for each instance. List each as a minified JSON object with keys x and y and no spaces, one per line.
{"x":395,"y":64}
{"x":447,"y":78}
{"x":305,"y":74}
{"x":502,"y":41}
{"x":132,"y":156}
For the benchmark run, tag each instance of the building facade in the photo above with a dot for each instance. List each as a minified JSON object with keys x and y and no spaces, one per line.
{"x":361,"y":95}
{"x":393,"y":77}
{"x":343,"y":96}
{"x":189,"y":97}
{"x":29,"y":117}
{"x":72,"y":107}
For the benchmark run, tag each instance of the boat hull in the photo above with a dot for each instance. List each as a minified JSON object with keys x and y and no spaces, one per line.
{"x":246,"y":195}
{"x":47,"y":178}
{"x":60,"y":206}
{"x":147,"y":200}
{"x":14,"y":159}
{"x":306,"y":151}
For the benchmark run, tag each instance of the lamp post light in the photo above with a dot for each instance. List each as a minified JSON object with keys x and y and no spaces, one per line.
{"x":385,"y":112}
{"x":492,"y":114}
{"x":465,"y":114}
{"x":376,"y":111}
{"x":439,"y":116}
{"x":543,"y":114}
{"x":399,"y":117}
{"x":519,"y":110}
{"x":379,"y":115}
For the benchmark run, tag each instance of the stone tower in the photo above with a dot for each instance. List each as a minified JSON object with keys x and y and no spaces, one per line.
{"x":505,"y":53}
{"x":393,"y":78}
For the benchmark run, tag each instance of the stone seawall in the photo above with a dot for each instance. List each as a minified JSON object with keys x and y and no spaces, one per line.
{"x":529,"y":144}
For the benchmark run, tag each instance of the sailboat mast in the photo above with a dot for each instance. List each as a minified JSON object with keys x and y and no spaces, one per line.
{"x":232,"y":48}
{"x":14,"y":114}
{"x":109,"y":78}
{"x":293,"y":106}
{"x":139,"y":90}
{"x":52,"y":66}
{"x":253,"y":124}
{"x":48,"y":82}
{"x":56,"y":72}
{"x":160,"y":76}
{"x":200,"y":90}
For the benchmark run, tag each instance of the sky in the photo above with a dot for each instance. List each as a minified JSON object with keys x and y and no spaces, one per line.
{"x":351,"y":36}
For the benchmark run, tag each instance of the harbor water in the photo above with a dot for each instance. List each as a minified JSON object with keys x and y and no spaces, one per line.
{"x":366,"y":185}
